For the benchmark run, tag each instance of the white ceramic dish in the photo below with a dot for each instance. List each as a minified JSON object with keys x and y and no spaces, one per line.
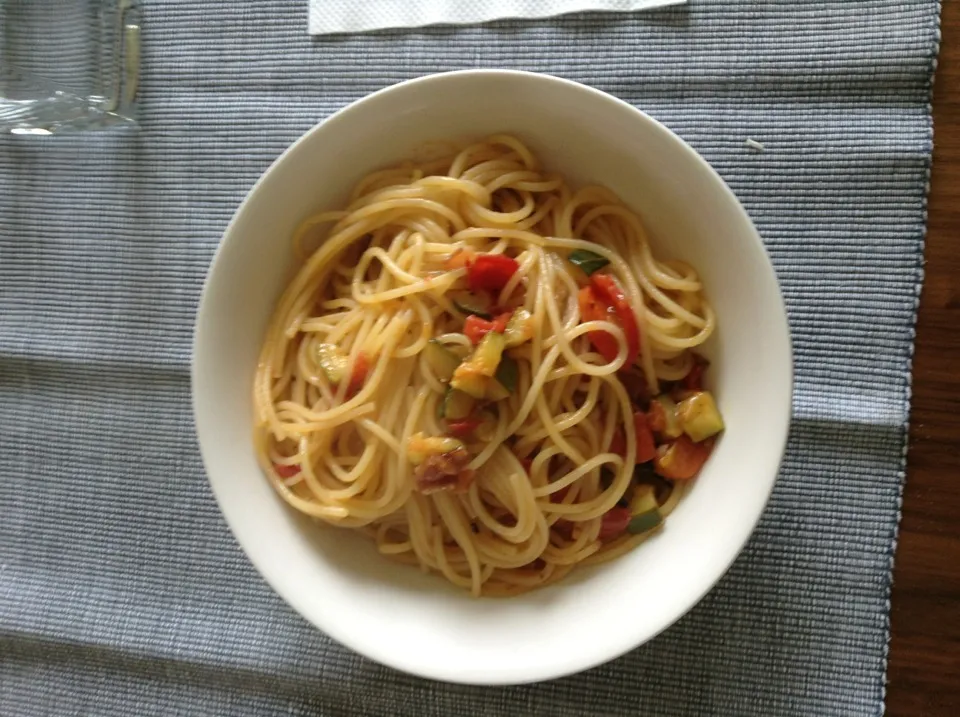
{"x":418,"y":623}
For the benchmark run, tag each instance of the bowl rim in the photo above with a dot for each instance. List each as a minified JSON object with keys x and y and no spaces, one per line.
{"x":539,"y":672}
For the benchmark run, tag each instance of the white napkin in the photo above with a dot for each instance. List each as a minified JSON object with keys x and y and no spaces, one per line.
{"x":331,"y":16}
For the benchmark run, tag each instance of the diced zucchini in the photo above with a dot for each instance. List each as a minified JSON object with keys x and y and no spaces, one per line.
{"x":508,"y":374}
{"x":442,"y":361}
{"x":699,"y":416}
{"x":644,"y":499}
{"x":487,"y":374}
{"x":466,"y":379}
{"x":520,"y":328}
{"x":469,"y":303}
{"x":419,"y":447}
{"x":644,"y":522}
{"x":333,"y":362}
{"x":470,"y":375}
{"x":488,"y":425}
{"x":663,"y":417}
{"x":486,"y":357}
{"x":495,"y":391}
{"x":457,"y":405}
{"x":478,"y":386}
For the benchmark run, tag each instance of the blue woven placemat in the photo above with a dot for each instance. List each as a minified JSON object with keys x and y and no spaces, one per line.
{"x":121,"y":590}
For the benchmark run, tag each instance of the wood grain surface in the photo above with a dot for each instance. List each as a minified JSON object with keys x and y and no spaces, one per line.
{"x":924,"y":671}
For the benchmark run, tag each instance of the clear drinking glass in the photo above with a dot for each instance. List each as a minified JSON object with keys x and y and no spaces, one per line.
{"x":68,"y":65}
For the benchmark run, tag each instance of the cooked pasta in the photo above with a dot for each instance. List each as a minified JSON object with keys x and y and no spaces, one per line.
{"x":486,"y":371}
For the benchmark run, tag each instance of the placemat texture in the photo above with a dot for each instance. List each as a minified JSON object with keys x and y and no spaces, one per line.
{"x":121,"y":590}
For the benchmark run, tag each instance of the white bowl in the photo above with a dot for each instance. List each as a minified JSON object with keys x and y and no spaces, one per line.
{"x":393,"y":613}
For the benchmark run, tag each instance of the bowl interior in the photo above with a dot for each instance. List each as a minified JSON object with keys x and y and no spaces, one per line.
{"x":393,"y":613}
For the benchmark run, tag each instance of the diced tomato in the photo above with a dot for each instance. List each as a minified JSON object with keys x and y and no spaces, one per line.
{"x":609,"y":290}
{"x":591,"y":309}
{"x":500,"y":322}
{"x":657,"y":417}
{"x":460,"y":259}
{"x":463,"y":427}
{"x":476,"y":328}
{"x":359,"y":374}
{"x":615,"y":521}
{"x":681,"y":459}
{"x":491,"y":272}
{"x":285,"y":471}
{"x":693,"y":381}
{"x":646,"y":448}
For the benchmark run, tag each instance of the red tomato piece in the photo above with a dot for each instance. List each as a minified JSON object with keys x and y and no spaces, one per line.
{"x":359,"y":374}
{"x":463,"y":427}
{"x":615,"y":521}
{"x":681,"y":459}
{"x":491,"y":272}
{"x":646,"y":448}
{"x":609,"y":290}
{"x":500,"y":322}
{"x":657,"y":417}
{"x":285,"y":471}
{"x":476,"y":328}
{"x":591,"y":309}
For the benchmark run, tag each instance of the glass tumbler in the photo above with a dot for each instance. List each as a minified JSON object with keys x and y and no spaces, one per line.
{"x":68,"y":65}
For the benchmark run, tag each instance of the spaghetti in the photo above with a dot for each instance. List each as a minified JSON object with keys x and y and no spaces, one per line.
{"x":486,"y":371}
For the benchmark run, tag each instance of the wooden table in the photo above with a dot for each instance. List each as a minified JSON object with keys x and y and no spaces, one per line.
{"x":924,"y":669}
